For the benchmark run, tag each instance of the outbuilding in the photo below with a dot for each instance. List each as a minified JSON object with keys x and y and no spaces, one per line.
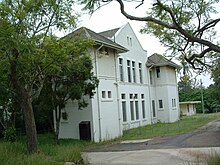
{"x":188,"y":108}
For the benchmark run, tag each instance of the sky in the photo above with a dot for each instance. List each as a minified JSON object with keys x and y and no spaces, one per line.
{"x":109,"y":17}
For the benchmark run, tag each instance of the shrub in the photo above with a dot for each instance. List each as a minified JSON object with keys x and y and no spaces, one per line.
{"x":10,"y":134}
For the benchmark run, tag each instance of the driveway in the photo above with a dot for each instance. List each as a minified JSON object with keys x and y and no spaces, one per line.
{"x":172,"y":150}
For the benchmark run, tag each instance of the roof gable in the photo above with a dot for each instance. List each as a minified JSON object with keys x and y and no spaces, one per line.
{"x":109,"y":33}
{"x":99,"y":39}
{"x":159,"y":60}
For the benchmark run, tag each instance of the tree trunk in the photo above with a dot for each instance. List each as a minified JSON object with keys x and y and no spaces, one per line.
{"x":24,"y":98}
{"x":30,"y":127}
{"x":57,"y":129}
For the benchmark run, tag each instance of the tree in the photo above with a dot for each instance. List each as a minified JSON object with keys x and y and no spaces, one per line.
{"x":71,"y":82}
{"x":29,"y":52}
{"x":186,"y":27}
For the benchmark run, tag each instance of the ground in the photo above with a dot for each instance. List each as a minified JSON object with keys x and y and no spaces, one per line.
{"x":172,"y":149}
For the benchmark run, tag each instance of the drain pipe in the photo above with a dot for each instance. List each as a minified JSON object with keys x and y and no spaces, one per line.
{"x":98,"y":98}
{"x":118,"y":96}
{"x":149,"y":87}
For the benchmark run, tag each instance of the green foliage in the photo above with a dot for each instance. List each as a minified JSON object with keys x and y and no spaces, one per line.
{"x":191,"y":17}
{"x":10,"y":134}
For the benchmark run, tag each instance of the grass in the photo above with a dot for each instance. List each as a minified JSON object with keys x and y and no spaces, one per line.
{"x":49,"y":154}
{"x":186,"y":124}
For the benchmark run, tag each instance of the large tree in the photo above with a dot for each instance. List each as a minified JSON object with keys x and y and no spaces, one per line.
{"x":186,"y":27}
{"x":29,"y":52}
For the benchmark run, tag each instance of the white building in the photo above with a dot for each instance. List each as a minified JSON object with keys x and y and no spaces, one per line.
{"x":188,"y":108}
{"x":134,"y":90}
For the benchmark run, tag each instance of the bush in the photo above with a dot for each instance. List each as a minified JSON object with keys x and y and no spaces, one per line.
{"x":10,"y":134}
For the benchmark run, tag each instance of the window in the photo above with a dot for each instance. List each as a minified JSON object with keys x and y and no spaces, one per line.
{"x":64,"y":116}
{"x":161,"y":104}
{"x":158,"y":71}
{"x":140,"y":72}
{"x":132,"y":109}
{"x":106,"y":95}
{"x":153,"y":108}
{"x":151,"y":78}
{"x":133,"y":72}
{"x":129,"y":70}
{"x":136,"y":110}
{"x":109,"y":94}
{"x":124,"y":113}
{"x":143,"y":109}
{"x":130,"y":41}
{"x":136,"y":96}
{"x":103,"y":95}
{"x":121,"y":72}
{"x":173,"y":102}
{"x":123,"y":96}
{"x":143,"y":106}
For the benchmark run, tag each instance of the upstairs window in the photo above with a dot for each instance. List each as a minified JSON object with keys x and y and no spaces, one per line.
{"x":158,"y":71}
{"x":129,"y":40}
{"x":129,"y":70}
{"x":140,"y":72}
{"x":121,"y":71}
{"x":133,"y":71}
{"x":160,"y":104}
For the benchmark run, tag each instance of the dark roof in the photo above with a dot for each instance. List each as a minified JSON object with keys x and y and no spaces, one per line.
{"x":159,"y":60}
{"x":99,"y":39}
{"x":109,"y":33}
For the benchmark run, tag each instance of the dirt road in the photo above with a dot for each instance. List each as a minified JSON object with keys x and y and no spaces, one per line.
{"x":206,"y":136}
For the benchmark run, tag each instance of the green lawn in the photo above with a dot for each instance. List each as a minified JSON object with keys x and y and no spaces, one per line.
{"x":70,"y":150}
{"x":186,"y":124}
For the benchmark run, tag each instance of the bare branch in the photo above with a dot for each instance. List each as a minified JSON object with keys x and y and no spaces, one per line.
{"x":147,"y":19}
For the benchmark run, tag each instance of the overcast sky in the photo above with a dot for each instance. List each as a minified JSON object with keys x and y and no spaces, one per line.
{"x":109,"y":17}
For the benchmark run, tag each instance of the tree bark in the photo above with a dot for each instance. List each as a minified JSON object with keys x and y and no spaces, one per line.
{"x":57,"y":117}
{"x":25,"y":99}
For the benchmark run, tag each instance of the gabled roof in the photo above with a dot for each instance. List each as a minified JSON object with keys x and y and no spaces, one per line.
{"x":99,"y":39}
{"x":159,"y":60}
{"x":109,"y":33}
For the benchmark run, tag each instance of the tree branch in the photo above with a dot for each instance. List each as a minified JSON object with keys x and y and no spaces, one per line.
{"x":147,"y":19}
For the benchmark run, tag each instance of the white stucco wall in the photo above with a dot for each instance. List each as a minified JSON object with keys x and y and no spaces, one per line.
{"x":165,"y":88}
{"x":70,"y":128}
{"x":127,"y":38}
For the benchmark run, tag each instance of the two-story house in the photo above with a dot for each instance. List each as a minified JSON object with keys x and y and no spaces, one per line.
{"x":133,"y":90}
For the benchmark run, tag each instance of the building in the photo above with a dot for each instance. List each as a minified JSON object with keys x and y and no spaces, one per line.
{"x":188,"y":108}
{"x":134,"y":90}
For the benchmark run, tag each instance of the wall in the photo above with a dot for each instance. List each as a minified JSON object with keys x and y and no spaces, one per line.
{"x":188,"y":109}
{"x":127,"y":38}
{"x":70,"y":128}
{"x":165,"y":88}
